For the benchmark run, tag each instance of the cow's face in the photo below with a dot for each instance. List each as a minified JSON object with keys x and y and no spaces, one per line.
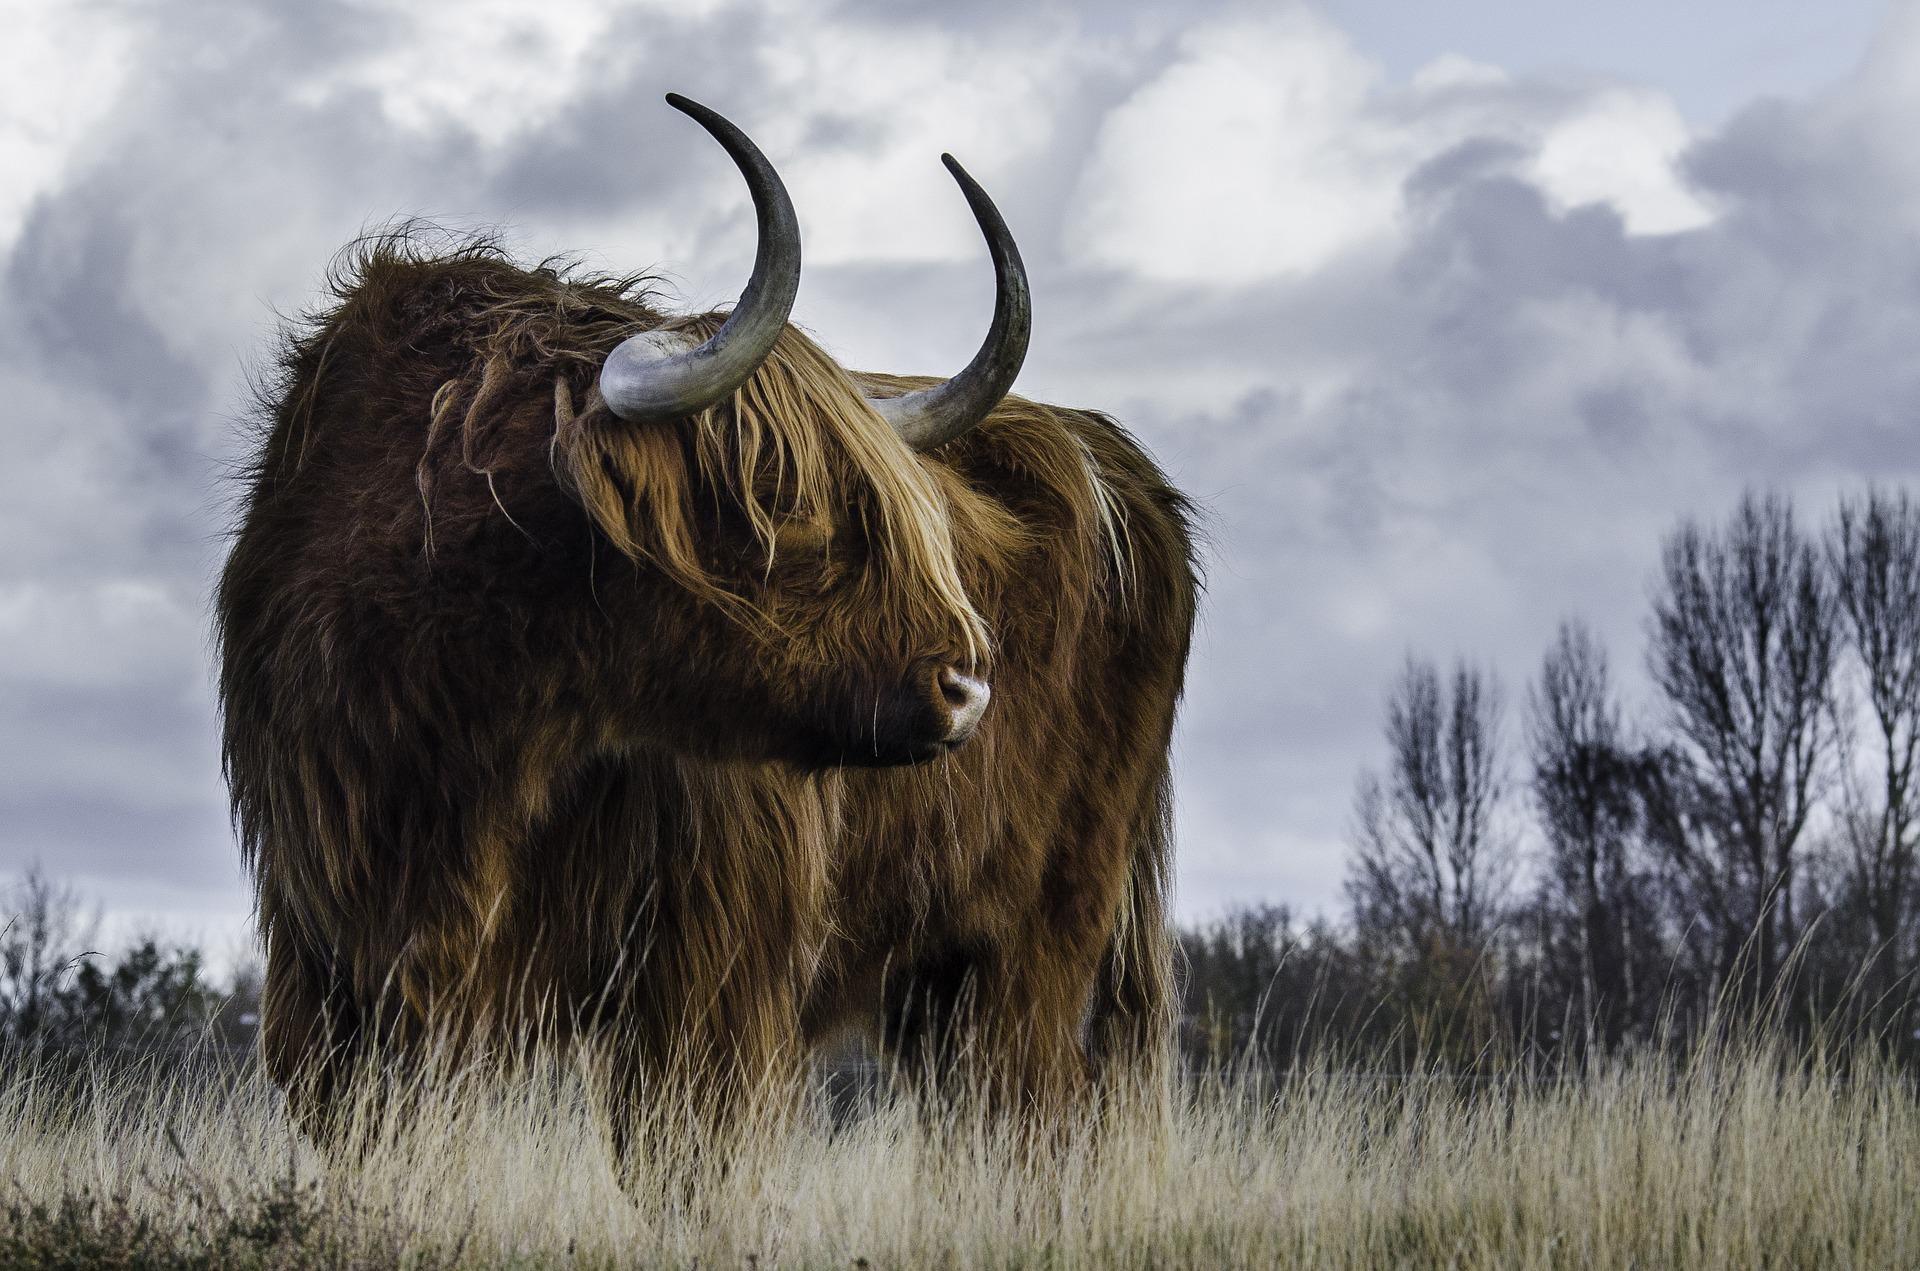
{"x":789,"y":588}
{"x":802,"y":598}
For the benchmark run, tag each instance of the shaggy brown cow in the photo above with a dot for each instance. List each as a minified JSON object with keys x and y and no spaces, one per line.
{"x":599,"y":675}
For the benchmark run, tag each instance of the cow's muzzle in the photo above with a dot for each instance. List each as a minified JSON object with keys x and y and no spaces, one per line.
{"x":934,"y":708}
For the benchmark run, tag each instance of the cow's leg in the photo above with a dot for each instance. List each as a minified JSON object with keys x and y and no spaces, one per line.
{"x":311,"y":1038}
{"x":930,"y":1017}
{"x":1084,"y":988}
{"x":1029,"y":1022}
{"x":693,"y":1102}
{"x":1003,"y":1022}
{"x":691,"y":1056}
{"x":1131,"y":1022}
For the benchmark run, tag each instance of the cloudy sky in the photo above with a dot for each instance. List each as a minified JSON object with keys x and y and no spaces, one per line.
{"x":1445,"y":312}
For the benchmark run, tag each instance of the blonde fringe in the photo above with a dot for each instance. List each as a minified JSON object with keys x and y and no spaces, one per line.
{"x":801,"y":421}
{"x":797,"y":443}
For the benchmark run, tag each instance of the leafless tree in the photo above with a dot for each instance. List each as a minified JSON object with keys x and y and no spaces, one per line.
{"x":45,"y":932}
{"x":1596,"y":914}
{"x":1432,"y":861}
{"x":1874,"y":551}
{"x":58,"y":991}
{"x":1742,"y":646}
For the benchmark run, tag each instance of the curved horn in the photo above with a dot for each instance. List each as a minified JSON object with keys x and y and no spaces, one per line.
{"x":654,"y":375}
{"x":934,"y":416}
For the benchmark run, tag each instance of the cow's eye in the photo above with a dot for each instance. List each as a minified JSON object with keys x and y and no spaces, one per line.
{"x":798,"y":539}
{"x":813,"y":557}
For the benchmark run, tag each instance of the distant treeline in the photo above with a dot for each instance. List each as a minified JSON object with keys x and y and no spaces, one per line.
{"x":58,"y":989}
{"x":1740,"y":851}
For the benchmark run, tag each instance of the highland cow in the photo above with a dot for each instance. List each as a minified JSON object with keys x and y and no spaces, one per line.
{"x":599,"y":676}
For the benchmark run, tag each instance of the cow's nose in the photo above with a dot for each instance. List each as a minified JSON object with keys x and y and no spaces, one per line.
{"x":966,"y":699}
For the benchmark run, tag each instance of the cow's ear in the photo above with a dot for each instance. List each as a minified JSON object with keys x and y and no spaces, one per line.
{"x":567,"y":425}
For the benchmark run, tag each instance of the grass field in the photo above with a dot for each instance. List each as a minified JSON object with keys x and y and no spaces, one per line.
{"x":1723,"y":1160}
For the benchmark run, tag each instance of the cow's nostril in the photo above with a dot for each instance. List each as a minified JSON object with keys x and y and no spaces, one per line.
{"x":967,"y":697}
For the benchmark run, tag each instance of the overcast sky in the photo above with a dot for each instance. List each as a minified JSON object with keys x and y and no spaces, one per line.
{"x":1445,"y":312}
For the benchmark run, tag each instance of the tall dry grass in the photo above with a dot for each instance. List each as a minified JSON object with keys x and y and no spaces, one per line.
{"x":1733,"y":1157}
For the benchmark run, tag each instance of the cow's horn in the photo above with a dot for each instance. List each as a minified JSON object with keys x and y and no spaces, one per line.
{"x":934,"y":416}
{"x":654,"y":375}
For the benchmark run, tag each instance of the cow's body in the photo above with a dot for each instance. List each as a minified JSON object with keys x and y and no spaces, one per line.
{"x":494,"y":774}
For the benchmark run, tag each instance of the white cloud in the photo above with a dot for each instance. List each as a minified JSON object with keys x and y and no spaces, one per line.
{"x":62,"y":65}
{"x":1621,"y":148}
{"x":496,"y":68}
{"x":1249,"y":156}
{"x":870,"y":113}
{"x":1270,"y":147}
{"x":1451,"y":70}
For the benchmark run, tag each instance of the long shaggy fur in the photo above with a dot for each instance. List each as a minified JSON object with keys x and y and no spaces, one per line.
{"x":542,"y":724}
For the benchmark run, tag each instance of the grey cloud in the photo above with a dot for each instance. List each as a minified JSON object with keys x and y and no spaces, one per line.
{"x":614,"y":146}
{"x":81,"y":827}
{"x":1617,"y":414}
{"x":67,"y":285}
{"x":1473,"y":159}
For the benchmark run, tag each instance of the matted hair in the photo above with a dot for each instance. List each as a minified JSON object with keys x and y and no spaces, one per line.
{"x":789,"y":443}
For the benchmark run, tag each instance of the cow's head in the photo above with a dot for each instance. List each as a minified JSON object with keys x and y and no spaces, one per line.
{"x":794,"y":590}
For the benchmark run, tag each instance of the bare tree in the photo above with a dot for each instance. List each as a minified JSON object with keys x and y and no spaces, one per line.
{"x":1874,"y":552}
{"x":57,"y":990}
{"x":1432,"y":862}
{"x":1742,"y":646}
{"x":1597,"y":918}
{"x":45,"y":932}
